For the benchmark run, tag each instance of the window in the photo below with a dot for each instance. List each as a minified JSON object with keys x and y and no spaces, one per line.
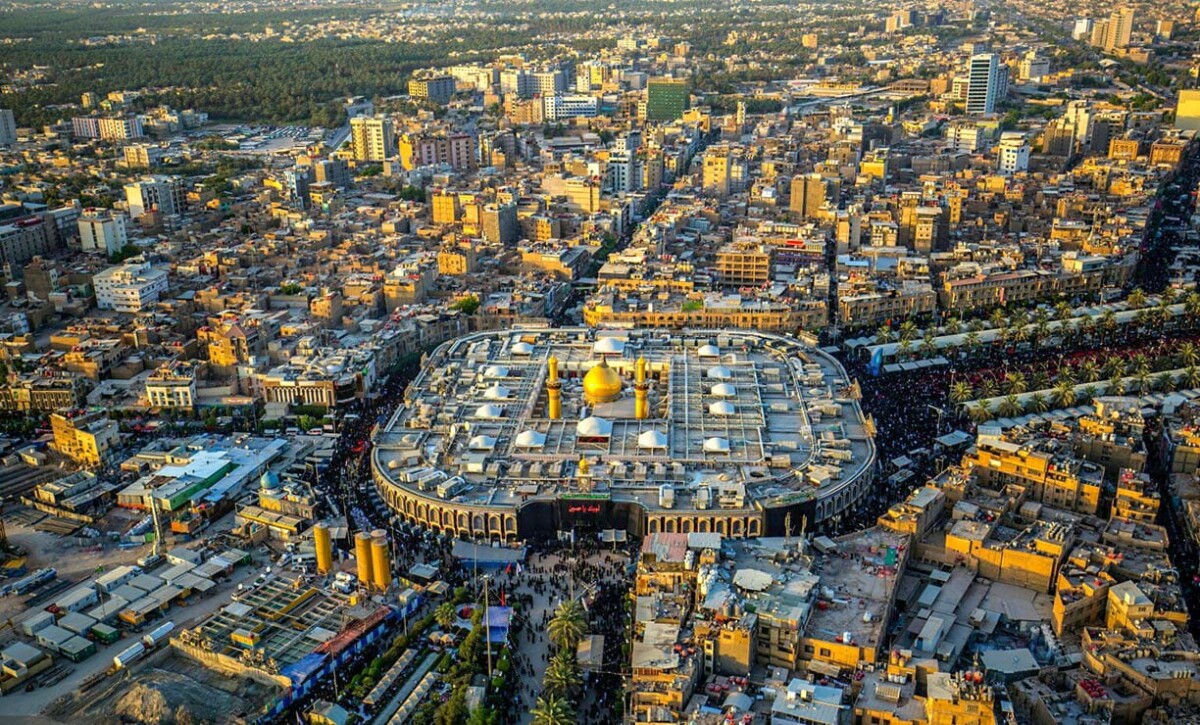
{"x":825,"y":652}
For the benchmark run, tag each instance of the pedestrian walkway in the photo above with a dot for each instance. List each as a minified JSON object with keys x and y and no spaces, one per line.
{"x":410,"y":684}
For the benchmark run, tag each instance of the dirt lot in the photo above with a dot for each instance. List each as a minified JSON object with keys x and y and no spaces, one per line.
{"x":170,"y":690}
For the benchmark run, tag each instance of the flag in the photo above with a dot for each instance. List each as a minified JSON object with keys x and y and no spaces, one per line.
{"x":502,"y":598}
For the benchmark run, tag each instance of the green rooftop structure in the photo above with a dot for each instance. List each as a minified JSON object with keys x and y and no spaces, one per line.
{"x":666,"y":99}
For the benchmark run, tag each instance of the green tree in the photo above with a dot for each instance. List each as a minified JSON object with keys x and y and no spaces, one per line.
{"x":467,"y":305}
{"x":567,"y":626}
{"x":552,"y":710}
{"x":562,"y":674}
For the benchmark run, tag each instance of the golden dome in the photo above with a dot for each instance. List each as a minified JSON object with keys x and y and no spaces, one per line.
{"x":602,"y":384}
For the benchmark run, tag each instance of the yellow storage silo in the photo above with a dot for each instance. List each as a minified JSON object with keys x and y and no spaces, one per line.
{"x":381,"y":560}
{"x":324,"y":545}
{"x":362,"y":554}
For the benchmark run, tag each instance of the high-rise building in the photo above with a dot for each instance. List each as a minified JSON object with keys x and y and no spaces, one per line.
{"x":807,"y":195}
{"x":373,"y":138}
{"x":1082,"y":29}
{"x":8,"y":127}
{"x":987,"y":82}
{"x":666,"y":99}
{"x":1120,"y":29}
{"x":101,"y":231}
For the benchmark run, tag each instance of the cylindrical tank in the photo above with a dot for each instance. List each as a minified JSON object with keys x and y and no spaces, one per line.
{"x":156,"y":637}
{"x":362,"y":555}
{"x":129,"y":655}
{"x":381,"y":560}
{"x":324,"y":545}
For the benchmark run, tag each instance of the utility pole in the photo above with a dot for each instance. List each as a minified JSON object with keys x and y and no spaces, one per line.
{"x":487,"y":641}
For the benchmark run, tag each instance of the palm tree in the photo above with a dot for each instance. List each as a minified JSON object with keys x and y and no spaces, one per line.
{"x":979,"y":413}
{"x":1168,"y":296}
{"x":978,"y":325}
{"x":905,"y":349}
{"x":953,"y":326}
{"x":1188,"y":354}
{"x":972,"y":342}
{"x":1087,"y":328}
{"x":1065,"y":373}
{"x":445,"y":615}
{"x":884,"y":334}
{"x":987,"y":388}
{"x":1010,"y":406}
{"x":1107,"y":322}
{"x":551,"y":709}
{"x":1141,"y":381}
{"x":1037,"y":403}
{"x":1164,"y":382}
{"x":1019,"y":318}
{"x":928,"y":346}
{"x":1089,"y":371}
{"x":1039,"y":380}
{"x":1113,"y":367}
{"x":908,"y":330}
{"x":566,"y":627}
{"x":998,"y":318}
{"x":960,"y":392}
{"x":1191,"y":307}
{"x":1041,"y":330}
{"x":1136,"y":299}
{"x":1139,"y":364}
{"x":1015,"y":383}
{"x":1191,"y":376}
{"x":562,"y":674}
{"x":1064,"y":394}
{"x":1063,"y":311}
{"x":1088,"y":393}
{"x":1116,"y":386}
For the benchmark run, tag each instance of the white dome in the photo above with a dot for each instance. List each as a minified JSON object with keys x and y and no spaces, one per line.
{"x":482,"y":443}
{"x":719,"y":372}
{"x":721,"y":407}
{"x":608,"y":346}
{"x":708,"y":351}
{"x":593,"y":427}
{"x":522,"y":348}
{"x":716,"y":445}
{"x":530,"y":439}
{"x":652,"y":439}
{"x":489,"y":411}
{"x":495,"y":371}
{"x":496,"y":392}
{"x":723,"y":390}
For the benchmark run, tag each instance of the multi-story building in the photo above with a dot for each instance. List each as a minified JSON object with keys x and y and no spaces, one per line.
{"x":24,"y":238}
{"x":102,"y":230}
{"x":374,"y":138}
{"x":1044,"y":467}
{"x":458,"y":150}
{"x":8,"y":126}
{"x":666,"y":99}
{"x":557,"y":107}
{"x":85,"y":439}
{"x":987,"y":83}
{"x":172,"y":386}
{"x":131,"y":287}
{"x":744,"y":264}
{"x":437,"y":89}
{"x":808,"y":195}
{"x":162,"y":194}
{"x":1012,"y":155}
{"x":120,"y":129}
